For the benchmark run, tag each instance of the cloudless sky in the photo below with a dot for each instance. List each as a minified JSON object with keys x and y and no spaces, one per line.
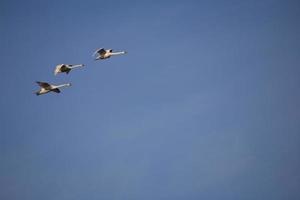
{"x":205,"y":105}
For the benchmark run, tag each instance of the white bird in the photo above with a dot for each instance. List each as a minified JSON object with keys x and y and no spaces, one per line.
{"x":103,"y":54}
{"x":65,"y":68}
{"x":46,"y":87}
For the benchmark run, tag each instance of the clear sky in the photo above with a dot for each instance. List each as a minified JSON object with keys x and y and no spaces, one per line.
{"x":205,"y":105}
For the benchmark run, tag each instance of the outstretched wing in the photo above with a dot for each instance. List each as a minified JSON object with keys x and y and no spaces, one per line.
{"x":100,"y":51}
{"x":43,"y":84}
{"x":64,"y":68}
{"x":61,"y":68}
{"x":56,"y":90}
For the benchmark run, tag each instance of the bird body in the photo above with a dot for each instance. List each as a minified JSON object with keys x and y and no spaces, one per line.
{"x":104,"y":54}
{"x":46,"y":87}
{"x":65,"y":68}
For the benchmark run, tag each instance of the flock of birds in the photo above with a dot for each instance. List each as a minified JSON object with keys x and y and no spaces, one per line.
{"x":66,"y":68}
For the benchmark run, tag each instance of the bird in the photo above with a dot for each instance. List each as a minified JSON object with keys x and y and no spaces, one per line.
{"x":46,"y":87}
{"x":103,"y":54}
{"x":61,"y":68}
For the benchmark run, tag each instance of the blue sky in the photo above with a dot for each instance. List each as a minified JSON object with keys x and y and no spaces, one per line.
{"x":205,"y":105}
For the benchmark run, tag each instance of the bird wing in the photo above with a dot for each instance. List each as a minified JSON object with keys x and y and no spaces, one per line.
{"x":43,"y":84}
{"x":56,"y":90}
{"x":64,"y":68}
{"x":57,"y":69}
{"x":100,"y":51}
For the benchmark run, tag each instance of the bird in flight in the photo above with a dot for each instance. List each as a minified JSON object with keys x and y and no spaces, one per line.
{"x":46,"y":87}
{"x":103,"y":54}
{"x":65,"y":68}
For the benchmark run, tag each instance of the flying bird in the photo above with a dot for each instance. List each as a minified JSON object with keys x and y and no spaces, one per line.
{"x":64,"y":68}
{"x":103,"y":54}
{"x":46,"y":87}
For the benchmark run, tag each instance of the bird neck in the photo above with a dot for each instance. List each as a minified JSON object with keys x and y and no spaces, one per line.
{"x":74,"y":66}
{"x":63,"y":85}
{"x":117,"y":53}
